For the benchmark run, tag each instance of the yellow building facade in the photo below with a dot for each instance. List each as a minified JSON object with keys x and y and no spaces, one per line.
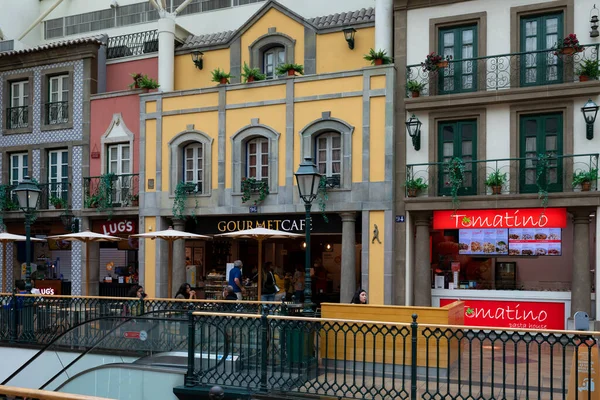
{"x":237,"y":146}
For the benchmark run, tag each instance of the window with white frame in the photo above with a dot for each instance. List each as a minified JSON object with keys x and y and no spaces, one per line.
{"x":57,"y":109}
{"x":18,"y":112}
{"x":58,"y":173}
{"x":258,"y":159}
{"x":329,"y":157}
{"x":272,"y":58}
{"x":119,"y":163}
{"x":19,"y":167}
{"x":193,"y":165}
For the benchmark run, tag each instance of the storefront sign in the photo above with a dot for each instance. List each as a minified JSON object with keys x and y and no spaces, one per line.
{"x":502,"y":218}
{"x":512,"y":314}
{"x":116,"y":227}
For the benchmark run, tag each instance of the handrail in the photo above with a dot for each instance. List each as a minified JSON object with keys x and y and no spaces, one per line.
{"x":45,"y":394}
{"x":506,"y":159}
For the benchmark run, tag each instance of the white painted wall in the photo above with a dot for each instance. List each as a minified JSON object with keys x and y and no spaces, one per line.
{"x":14,"y":19}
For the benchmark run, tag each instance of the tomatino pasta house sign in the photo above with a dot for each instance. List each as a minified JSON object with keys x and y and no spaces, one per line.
{"x":501,"y":218}
{"x":512,"y":314}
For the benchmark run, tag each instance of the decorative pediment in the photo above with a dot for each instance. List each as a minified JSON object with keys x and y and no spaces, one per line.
{"x":117,"y":131}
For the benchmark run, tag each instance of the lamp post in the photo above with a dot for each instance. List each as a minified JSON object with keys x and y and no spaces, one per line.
{"x":308,"y":179}
{"x":589,"y":110}
{"x":28,"y":194}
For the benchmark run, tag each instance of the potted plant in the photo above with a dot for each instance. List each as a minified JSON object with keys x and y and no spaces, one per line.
{"x":220,"y":76}
{"x":143,"y":82}
{"x":584,"y":179}
{"x":569,"y":45}
{"x":434,"y":61}
{"x":378,"y":57}
{"x":290,"y":69}
{"x":588,"y":69}
{"x":496,"y":180}
{"x":135,"y":200}
{"x":253,"y":185}
{"x":58,"y":202}
{"x":415,"y":186}
{"x":414,"y":87}
{"x":252,"y":74}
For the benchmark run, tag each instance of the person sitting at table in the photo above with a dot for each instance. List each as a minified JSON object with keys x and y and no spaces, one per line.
{"x":137,"y":291}
{"x":229,"y":294}
{"x":185,"y":292}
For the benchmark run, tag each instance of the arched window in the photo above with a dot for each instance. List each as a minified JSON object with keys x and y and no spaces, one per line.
{"x":193,"y":165}
{"x":329,"y":156}
{"x":272,"y":58}
{"x":257,"y":159}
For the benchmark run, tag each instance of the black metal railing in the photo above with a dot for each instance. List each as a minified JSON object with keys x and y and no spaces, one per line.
{"x":110,"y":190}
{"x":57,"y":112}
{"x":54,"y":196}
{"x":17,"y":117}
{"x":133,"y":44}
{"x":375,"y":360}
{"x":536,"y":174}
{"x":331,"y":182}
{"x":499,"y":72}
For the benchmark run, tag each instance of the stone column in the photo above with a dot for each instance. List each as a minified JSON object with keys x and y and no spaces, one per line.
{"x":166,"y":52}
{"x":422,"y":275}
{"x":348,"y":273}
{"x":384,"y":25}
{"x":581,"y":290}
{"x":179,"y":258}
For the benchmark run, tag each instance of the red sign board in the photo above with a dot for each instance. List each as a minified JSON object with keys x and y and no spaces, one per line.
{"x":116,"y":227}
{"x":131,"y":335}
{"x":512,"y":314}
{"x":501,"y":218}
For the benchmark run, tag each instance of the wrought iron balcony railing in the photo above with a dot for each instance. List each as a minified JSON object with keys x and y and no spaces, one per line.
{"x":499,"y":72}
{"x":110,"y":190}
{"x":134,"y":44}
{"x":53,"y":196}
{"x":57,"y":113}
{"x":17,"y":117}
{"x":536,"y":174}
{"x":330,"y":182}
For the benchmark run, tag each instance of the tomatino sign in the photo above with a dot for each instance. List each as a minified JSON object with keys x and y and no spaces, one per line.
{"x":512,"y":314}
{"x":501,"y":218}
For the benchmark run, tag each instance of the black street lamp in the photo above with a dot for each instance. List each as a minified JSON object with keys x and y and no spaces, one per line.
{"x":589,"y":110}
{"x":308,"y":179}
{"x":28,"y":194}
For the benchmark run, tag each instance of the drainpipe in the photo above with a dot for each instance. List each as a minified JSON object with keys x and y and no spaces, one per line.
{"x":166,"y":52}
{"x":384,"y":26}
{"x":40,"y":18}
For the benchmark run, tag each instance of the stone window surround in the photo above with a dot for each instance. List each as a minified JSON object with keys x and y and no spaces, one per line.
{"x":46,"y":75}
{"x":105,"y":142}
{"x":566,"y":107}
{"x":176,"y":146}
{"x":7,"y":155}
{"x":8,"y":79}
{"x":311,"y":131}
{"x":239,"y":141}
{"x":480,"y":115}
{"x":267,"y":41}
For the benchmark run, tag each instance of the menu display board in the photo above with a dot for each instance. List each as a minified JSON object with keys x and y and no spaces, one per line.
{"x":483,"y":241}
{"x":535,"y":242}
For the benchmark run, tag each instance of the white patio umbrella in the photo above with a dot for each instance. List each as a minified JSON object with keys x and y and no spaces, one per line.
{"x":260,"y":234}
{"x":86,"y":237}
{"x":170,"y":235}
{"x":5,"y":238}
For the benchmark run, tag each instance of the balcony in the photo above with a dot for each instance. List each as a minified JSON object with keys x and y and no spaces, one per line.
{"x":53,"y":196}
{"x":109,"y":191}
{"x":17,"y":117}
{"x":134,"y":44}
{"x":57,"y":113}
{"x":330,"y":182}
{"x":499,"y":72}
{"x":537,"y":174}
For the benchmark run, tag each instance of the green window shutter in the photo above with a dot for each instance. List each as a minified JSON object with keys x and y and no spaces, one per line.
{"x":460,"y":43}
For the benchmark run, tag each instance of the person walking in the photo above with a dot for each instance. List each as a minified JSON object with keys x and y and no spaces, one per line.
{"x":235,"y":279}
{"x":268,"y":286}
{"x":299,"y":284}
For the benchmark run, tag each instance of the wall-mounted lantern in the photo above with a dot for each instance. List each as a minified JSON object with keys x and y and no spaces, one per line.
{"x":594,"y":22}
{"x":197,"y":57}
{"x":349,"y":36}
{"x":413,"y":127}
{"x":589,"y":110}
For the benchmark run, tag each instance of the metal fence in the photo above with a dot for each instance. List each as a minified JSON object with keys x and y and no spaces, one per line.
{"x":314,"y":357}
{"x":133,"y":44}
{"x":111,"y":190}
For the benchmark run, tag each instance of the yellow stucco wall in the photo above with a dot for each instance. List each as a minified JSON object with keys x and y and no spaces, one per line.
{"x":334,"y":55}
{"x":187,"y":76}
{"x":272,"y":116}
{"x":150,"y":153}
{"x":276,"y":92}
{"x":150,"y":259}
{"x":207,"y":122}
{"x":150,"y":107}
{"x":347,"y":109}
{"x":327,"y":86}
{"x":193,"y":101}
{"x":377,"y":139}
{"x":284,"y":24}
{"x":376,"y":278}
{"x":378,"y":82}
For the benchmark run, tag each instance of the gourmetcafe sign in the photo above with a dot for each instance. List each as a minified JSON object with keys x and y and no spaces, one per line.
{"x":501,"y":218}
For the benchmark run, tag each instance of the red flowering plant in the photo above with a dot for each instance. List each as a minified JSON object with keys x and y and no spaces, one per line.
{"x":432,"y":60}
{"x":570,"y":42}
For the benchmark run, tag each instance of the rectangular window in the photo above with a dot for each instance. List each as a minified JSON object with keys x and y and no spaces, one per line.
{"x":329,"y":157}
{"x":119,"y":163}
{"x":272,"y":58}
{"x":18,"y":112}
{"x":459,"y":44}
{"x":538,"y":34}
{"x":193,"y":171}
{"x":19,"y":167}
{"x":57,"y":108}
{"x":457,"y":139}
{"x":54,"y":28}
{"x":541,"y":135}
{"x":58,"y":173}
{"x":88,"y":22}
{"x":258,"y":159}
